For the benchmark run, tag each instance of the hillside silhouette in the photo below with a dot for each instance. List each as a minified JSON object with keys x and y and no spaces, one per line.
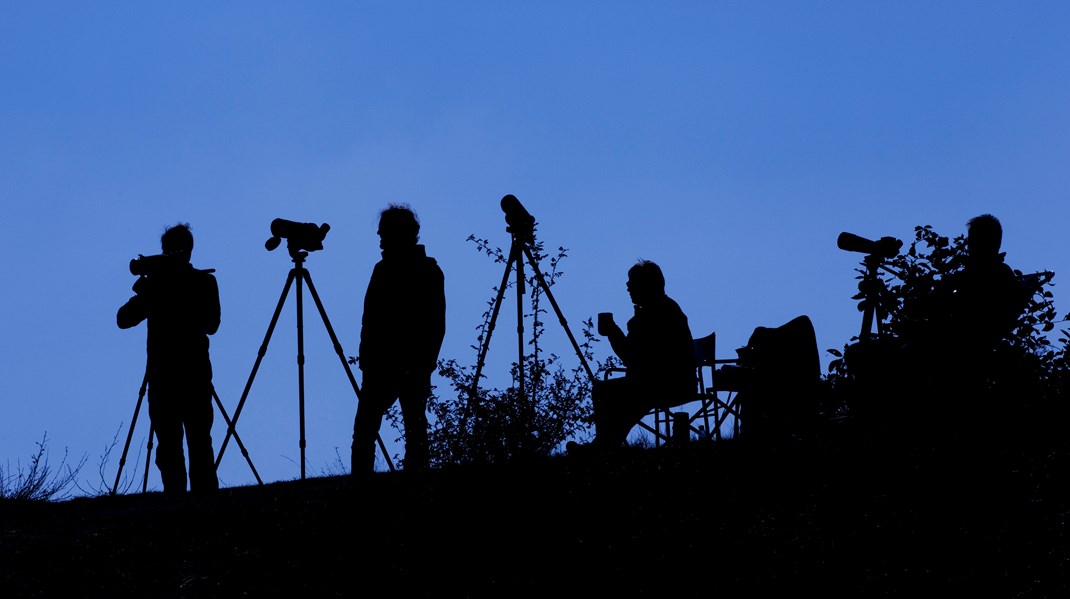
{"x":894,"y":475}
{"x":840,"y":514}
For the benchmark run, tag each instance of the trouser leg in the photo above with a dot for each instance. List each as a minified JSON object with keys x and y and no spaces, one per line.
{"x":375,"y":399}
{"x":198,"y":421}
{"x":167,"y":424}
{"x":414,"y":412}
{"x":617,"y":408}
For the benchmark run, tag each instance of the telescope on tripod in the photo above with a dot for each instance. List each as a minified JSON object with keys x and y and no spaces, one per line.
{"x":520,"y":224}
{"x":301,"y":238}
{"x":872,"y":288}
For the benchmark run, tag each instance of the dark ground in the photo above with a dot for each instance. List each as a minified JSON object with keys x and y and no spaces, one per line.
{"x":845,"y":516}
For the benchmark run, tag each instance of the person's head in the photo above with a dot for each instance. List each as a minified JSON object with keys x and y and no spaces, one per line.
{"x":398,"y":227}
{"x":984,"y":235}
{"x":177,"y":240}
{"x":645,"y":282}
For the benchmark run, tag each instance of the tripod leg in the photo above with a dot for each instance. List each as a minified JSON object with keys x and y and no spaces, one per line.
{"x":130,"y":433}
{"x":520,"y":291}
{"x":301,"y":365}
{"x":148,"y":461}
{"x":237,"y":439}
{"x":870,"y":286}
{"x":256,"y":366}
{"x":867,"y":322}
{"x":341,"y":354}
{"x":557,"y":309}
{"x":490,"y":326}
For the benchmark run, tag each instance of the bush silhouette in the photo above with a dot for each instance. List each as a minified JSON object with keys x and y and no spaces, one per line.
{"x":480,"y":425}
{"x":1029,"y":373}
{"x":38,"y":480}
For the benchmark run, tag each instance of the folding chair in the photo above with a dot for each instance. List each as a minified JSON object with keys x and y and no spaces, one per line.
{"x":705,"y":413}
{"x":711,"y":384}
{"x":709,"y":412}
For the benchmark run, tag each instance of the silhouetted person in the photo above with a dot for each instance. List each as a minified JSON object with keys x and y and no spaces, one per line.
{"x":181,"y":304}
{"x":401,"y":333}
{"x":975,"y":310}
{"x":658,"y":353}
{"x":986,"y":297}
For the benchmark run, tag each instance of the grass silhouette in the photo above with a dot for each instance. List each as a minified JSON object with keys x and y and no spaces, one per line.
{"x":841,"y":514}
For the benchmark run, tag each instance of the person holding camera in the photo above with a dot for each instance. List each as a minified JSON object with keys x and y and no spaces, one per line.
{"x":658,"y":353}
{"x":402,"y":328}
{"x":181,"y":305}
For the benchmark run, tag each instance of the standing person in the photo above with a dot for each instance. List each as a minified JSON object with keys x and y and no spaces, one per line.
{"x":985,"y":296}
{"x":977,"y":309}
{"x":401,"y":334}
{"x":181,"y":304}
{"x":658,"y":353}
{"x":959,"y":328}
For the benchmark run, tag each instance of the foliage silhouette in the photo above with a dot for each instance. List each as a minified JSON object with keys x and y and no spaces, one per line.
{"x":129,"y":477}
{"x":39,"y":481}
{"x":1030,"y":368}
{"x":496,"y":425}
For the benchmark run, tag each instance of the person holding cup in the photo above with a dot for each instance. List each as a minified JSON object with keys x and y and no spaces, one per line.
{"x":657,"y":352}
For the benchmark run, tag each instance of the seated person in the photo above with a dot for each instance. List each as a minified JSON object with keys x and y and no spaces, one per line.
{"x":658,"y":353}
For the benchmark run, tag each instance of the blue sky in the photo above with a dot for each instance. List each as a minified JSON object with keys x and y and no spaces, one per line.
{"x":731,"y":142}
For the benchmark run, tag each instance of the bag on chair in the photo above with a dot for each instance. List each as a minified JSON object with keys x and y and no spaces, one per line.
{"x":778,"y":376}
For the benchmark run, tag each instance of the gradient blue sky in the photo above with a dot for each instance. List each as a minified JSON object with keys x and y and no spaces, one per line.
{"x":731,"y":142}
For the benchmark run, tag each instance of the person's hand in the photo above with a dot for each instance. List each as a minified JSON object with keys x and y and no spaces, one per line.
{"x":605,"y":323}
{"x":143,"y":286}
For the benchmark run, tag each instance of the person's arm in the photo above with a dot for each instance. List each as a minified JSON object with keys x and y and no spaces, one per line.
{"x":370,"y":320}
{"x":211,"y":314}
{"x":1014,"y":301}
{"x":620,"y":343}
{"x":131,"y":313}
{"x":436,"y":312}
{"x":136,"y":309}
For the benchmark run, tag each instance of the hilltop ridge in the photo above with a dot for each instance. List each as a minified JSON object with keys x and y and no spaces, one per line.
{"x":842,"y":516}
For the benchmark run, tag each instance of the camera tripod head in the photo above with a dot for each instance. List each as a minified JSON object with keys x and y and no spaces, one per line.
{"x":520,"y":223}
{"x":301,"y":238}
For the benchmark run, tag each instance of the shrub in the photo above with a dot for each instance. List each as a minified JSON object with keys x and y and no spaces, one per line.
{"x":491,"y":425}
{"x":39,"y":481}
{"x":1030,"y":370}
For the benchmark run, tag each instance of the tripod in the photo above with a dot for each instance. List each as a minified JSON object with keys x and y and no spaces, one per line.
{"x":870,"y":289}
{"x":148,"y":454}
{"x":521,"y":228}
{"x":300,"y":274}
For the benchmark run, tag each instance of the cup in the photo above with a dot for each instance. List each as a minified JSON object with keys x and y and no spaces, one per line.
{"x":605,"y":322}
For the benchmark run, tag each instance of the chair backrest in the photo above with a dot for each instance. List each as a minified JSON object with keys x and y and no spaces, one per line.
{"x":707,"y":364}
{"x":706,"y":350}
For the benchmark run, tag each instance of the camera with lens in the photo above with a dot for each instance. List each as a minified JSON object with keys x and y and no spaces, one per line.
{"x":299,"y":236}
{"x":520,"y":222}
{"x":157,"y":263}
{"x":885,"y":247}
